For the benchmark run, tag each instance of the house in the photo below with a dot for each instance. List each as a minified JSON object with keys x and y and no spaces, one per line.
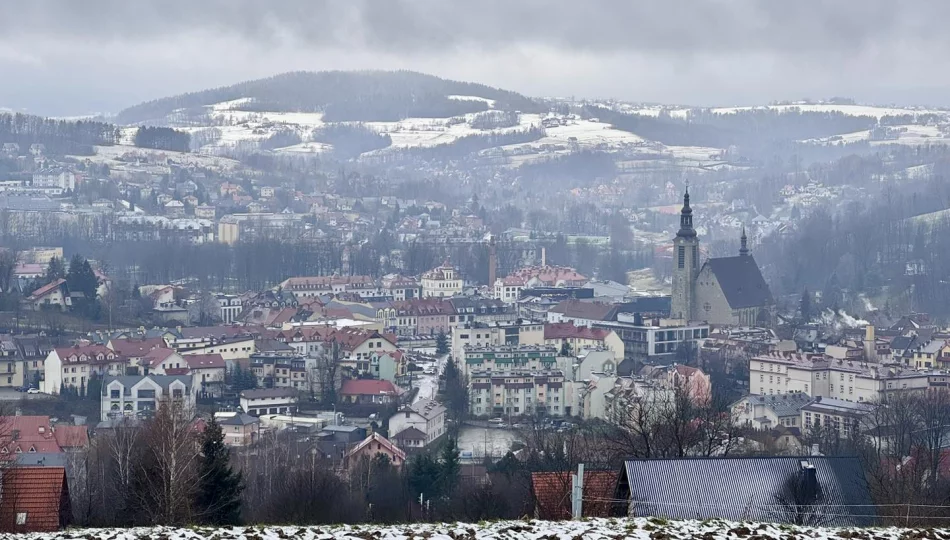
{"x":136,"y":349}
{"x":418,"y":317}
{"x":50,"y":296}
{"x":371,"y":447}
{"x":174,"y":208}
{"x":769,"y":412}
{"x":368,"y":391}
{"x":206,"y":370}
{"x":27,"y":435}
{"x":577,"y":338}
{"x":269,"y":401}
{"x":140,"y":395}
{"x":204,"y":211}
{"x":34,"y":499}
{"x":400,"y":287}
{"x":582,"y":313}
{"x":693,"y":382}
{"x":424,"y":416}
{"x":356,"y":346}
{"x":73,"y":366}
{"x":723,"y":291}
{"x":388,"y":366}
{"x":827,"y":491}
{"x":240,"y":429}
{"x":552,"y":495}
{"x":518,"y":392}
{"x":442,"y":281}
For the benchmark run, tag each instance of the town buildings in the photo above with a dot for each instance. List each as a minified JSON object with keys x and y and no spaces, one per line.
{"x":418,"y":425}
{"x":268,"y":401}
{"x":139,"y":396}
{"x":517,"y":392}
{"x":442,"y":281}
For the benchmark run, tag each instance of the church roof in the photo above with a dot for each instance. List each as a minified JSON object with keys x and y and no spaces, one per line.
{"x":741,"y":281}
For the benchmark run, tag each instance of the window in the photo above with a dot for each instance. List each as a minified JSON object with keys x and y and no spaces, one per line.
{"x":21,"y":518}
{"x":681,"y":257}
{"x":114,"y":394}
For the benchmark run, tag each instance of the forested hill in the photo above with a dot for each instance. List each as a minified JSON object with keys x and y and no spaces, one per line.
{"x":343,"y":96}
{"x":58,"y":136}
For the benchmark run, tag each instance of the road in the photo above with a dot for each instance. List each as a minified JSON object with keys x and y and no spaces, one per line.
{"x":9,"y":394}
{"x":429,"y":384}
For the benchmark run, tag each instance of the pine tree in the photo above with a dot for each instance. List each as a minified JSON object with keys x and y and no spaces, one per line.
{"x":449,"y":467}
{"x":55,"y":270}
{"x":441,"y":343}
{"x":805,"y":306}
{"x":218,"y":498}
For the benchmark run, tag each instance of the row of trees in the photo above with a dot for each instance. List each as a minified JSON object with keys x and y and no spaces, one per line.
{"x":162,"y":138}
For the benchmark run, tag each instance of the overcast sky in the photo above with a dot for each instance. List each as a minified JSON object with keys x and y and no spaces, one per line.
{"x":76,"y":57}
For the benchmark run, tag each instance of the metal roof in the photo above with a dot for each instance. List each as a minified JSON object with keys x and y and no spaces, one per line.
{"x":748,"y":489}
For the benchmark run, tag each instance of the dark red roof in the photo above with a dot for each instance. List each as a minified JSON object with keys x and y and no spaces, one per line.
{"x":46,"y":289}
{"x":71,"y":436}
{"x":364,"y":387}
{"x":38,"y":495}
{"x":137,"y":348}
{"x":552,"y":494}
{"x":568,"y":330}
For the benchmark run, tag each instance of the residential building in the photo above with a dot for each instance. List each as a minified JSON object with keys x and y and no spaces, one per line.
{"x":230,"y":307}
{"x":418,"y":317}
{"x":369,"y":448}
{"x":72,"y":366}
{"x":400,"y":288}
{"x":509,"y":289}
{"x":507,"y":357}
{"x":843,"y":417}
{"x":50,"y":296}
{"x":140,"y":395}
{"x":240,"y":429}
{"x":442,"y":281}
{"x":657,"y":340}
{"x":12,"y":367}
{"x":308,"y":287}
{"x":368,"y":392}
{"x":768,"y":412}
{"x":268,"y":401}
{"x":239,"y":347}
{"x":517,"y":392}
{"x":582,"y":313}
{"x":425,"y":416}
{"x":54,"y":181}
{"x":723,"y":291}
{"x":690,"y":381}
{"x":388,"y":366}
{"x":356,"y":346}
{"x":478,"y":334}
{"x":135,"y":350}
{"x":479,"y":309}
{"x":574,"y":338}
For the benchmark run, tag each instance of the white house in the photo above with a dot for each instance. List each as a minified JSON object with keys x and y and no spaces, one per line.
{"x":230,"y":307}
{"x":443,"y":281}
{"x":269,"y":401}
{"x":140,"y":395}
{"x":72,"y":366}
{"x":425,"y":415}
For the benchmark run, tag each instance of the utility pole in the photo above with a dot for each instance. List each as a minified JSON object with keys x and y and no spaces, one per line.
{"x":577,"y":492}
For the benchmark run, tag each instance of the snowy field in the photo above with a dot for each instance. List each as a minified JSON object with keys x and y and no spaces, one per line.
{"x":111,"y":155}
{"x":851,"y":110}
{"x":912,"y":135}
{"x":588,"y":529}
{"x":494,"y":442}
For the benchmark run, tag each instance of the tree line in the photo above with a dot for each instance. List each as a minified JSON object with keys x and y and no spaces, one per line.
{"x":60,"y":137}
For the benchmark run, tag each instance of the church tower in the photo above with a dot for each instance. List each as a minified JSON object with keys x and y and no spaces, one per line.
{"x":743,"y":244}
{"x":685,"y":264}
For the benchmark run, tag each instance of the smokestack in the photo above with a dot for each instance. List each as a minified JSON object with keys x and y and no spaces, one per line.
{"x":544,"y":256}
{"x":492,"y":264}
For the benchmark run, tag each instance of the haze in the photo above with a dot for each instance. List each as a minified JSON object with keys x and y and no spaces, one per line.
{"x":62,"y":57}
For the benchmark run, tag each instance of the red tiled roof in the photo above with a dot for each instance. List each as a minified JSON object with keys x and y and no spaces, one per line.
{"x":384,"y":442}
{"x":597,"y":311}
{"x":552,"y":494}
{"x":568,"y":330}
{"x":424,"y":307}
{"x":157,"y":356}
{"x":206,"y":361}
{"x":46,"y":289}
{"x":348,"y":338}
{"x":137,"y":348}
{"x":90,"y":351}
{"x":71,"y":436}
{"x":39,"y":492}
{"x":363,"y":387}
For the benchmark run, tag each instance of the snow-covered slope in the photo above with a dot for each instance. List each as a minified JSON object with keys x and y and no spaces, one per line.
{"x":588,"y":529}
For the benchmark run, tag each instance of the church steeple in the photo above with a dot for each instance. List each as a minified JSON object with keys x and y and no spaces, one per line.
{"x":743,"y":244}
{"x":686,"y":218}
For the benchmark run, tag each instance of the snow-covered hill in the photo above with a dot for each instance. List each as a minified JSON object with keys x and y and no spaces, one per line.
{"x":588,"y":529}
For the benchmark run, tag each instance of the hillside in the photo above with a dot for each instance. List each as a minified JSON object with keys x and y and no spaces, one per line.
{"x":342,"y":96}
{"x":588,"y":529}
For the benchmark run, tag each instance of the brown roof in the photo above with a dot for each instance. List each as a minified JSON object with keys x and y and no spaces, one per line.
{"x":46,"y":289}
{"x":422,"y":307}
{"x":22,"y":434}
{"x":71,"y":436}
{"x":552,"y":494}
{"x":364,"y":387}
{"x":40,"y":493}
{"x":89,"y":351}
{"x":325,"y":282}
{"x":137,"y":348}
{"x":567,"y":330}
{"x":204,"y":361}
{"x":348,"y":338}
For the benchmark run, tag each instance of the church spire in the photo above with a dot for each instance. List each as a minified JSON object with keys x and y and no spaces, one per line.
{"x":743,"y":244}
{"x":686,"y":217}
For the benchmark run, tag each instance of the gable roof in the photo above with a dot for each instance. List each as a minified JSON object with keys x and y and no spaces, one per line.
{"x":595,"y":311}
{"x":741,"y":489}
{"x":71,"y":436}
{"x":741,"y":281}
{"x":204,"y":361}
{"x":48,"y":288}
{"x":39,"y":492}
{"x":783,"y":405}
{"x":383,"y":441}
{"x":552,"y":494}
{"x":427,"y":408}
{"x":239,"y":419}
{"x":157,"y":356}
{"x":410,"y":434}
{"x":367,"y":387}
{"x":137,"y":348}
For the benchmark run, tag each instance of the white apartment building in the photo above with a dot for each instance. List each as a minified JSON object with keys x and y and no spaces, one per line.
{"x":425,"y":415}
{"x":517,"y":393}
{"x":140,"y":395}
{"x":269,"y":401}
{"x":442,"y":282}
{"x":475,"y":335}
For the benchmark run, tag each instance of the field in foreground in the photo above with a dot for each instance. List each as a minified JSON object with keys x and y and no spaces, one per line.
{"x":592,"y":529}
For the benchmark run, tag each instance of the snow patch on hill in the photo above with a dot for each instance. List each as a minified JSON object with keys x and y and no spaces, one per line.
{"x":489,"y":102}
{"x":588,"y":529}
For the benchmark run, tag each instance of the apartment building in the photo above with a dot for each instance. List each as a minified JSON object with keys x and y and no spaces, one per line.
{"x":474,"y":335}
{"x":507,"y":357}
{"x":140,"y":395}
{"x":518,"y":392}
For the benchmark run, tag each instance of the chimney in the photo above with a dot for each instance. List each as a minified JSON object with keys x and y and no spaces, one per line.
{"x":869,"y":333}
{"x":492,"y":264}
{"x":808,"y":482}
{"x":637,"y":319}
{"x":544,"y":256}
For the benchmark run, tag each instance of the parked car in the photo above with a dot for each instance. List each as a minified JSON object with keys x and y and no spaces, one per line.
{"x":33,"y":391}
{"x":496,"y":422}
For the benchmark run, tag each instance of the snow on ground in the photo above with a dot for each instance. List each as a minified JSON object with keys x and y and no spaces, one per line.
{"x":490,"y":102}
{"x":484,"y":441}
{"x":851,"y":110}
{"x":306,"y":148}
{"x":587,"y":529}
{"x":910,"y":134}
{"x":429,"y":384}
{"x":112,"y":155}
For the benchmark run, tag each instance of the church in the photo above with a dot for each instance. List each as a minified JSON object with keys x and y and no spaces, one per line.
{"x":724,"y":291}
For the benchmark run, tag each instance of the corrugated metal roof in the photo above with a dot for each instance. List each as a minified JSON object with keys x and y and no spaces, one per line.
{"x":749,"y":489}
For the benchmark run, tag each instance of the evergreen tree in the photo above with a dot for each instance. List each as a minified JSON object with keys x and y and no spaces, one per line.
{"x":82,"y":278}
{"x":423,"y":476}
{"x":805,"y":306}
{"x":449,"y":466}
{"x":94,"y":389}
{"x":218,"y":498}
{"x":441,"y":343}
{"x":55,"y":270}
